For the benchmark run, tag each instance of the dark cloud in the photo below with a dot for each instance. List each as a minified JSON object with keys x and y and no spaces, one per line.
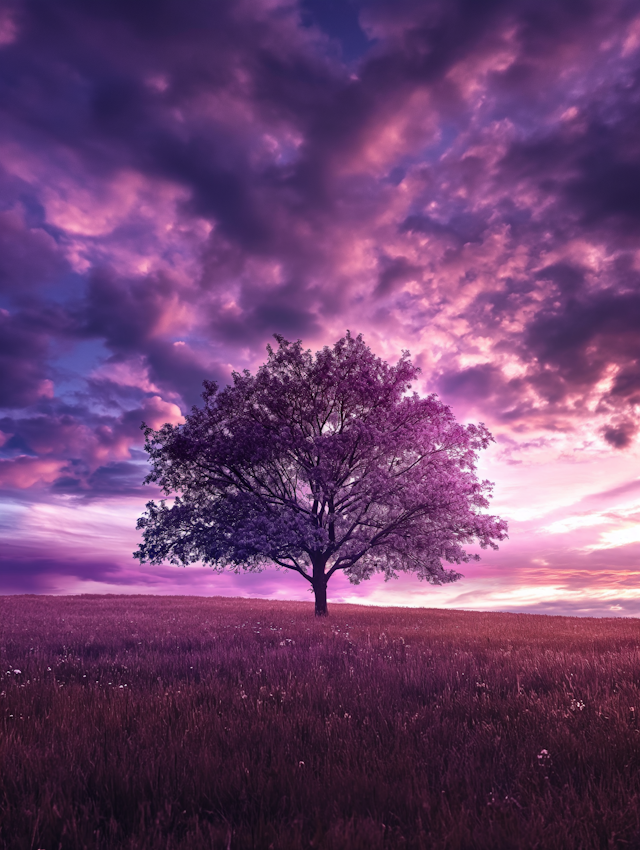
{"x":581,"y":338}
{"x":289,"y":309}
{"x":129,"y":316}
{"x":620,"y":435}
{"x":28,"y":256}
{"x":394,"y":271}
{"x":24,"y":372}
{"x":125,"y":313}
{"x":175,"y":367}
{"x":25,"y":569}
{"x":340,"y":21}
{"x":67,"y":446}
{"x":114,"y":479}
{"x":475,"y":383}
{"x":461,"y":228}
{"x":16,"y":446}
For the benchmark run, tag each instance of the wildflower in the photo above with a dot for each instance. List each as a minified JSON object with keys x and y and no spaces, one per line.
{"x":544,"y":759}
{"x":16,"y":671}
{"x":502,"y":802}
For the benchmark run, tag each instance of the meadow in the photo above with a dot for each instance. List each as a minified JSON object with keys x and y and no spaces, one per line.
{"x":177,"y":722}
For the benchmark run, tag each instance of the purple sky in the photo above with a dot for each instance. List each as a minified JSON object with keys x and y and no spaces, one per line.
{"x":181,"y":180}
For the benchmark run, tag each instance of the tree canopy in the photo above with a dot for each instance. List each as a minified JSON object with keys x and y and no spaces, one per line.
{"x":319,"y":463}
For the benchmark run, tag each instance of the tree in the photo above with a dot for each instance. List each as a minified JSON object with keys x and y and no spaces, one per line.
{"x":318,"y":464}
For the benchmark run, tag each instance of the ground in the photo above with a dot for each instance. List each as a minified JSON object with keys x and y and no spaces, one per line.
{"x":182,"y":722}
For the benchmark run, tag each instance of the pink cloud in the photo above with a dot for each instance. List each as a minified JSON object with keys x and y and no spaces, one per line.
{"x":26,"y":471}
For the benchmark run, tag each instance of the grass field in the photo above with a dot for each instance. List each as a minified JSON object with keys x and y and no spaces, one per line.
{"x":158,"y":722}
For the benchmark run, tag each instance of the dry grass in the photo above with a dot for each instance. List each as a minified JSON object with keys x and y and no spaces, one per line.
{"x":152,"y":722}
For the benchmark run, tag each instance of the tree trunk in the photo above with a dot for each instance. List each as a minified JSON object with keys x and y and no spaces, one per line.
{"x":319,"y":582}
{"x":320,"y":591}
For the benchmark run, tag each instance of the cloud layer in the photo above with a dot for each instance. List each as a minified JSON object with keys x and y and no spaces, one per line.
{"x":180,"y":181}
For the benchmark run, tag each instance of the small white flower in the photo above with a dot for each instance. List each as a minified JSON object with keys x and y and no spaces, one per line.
{"x":544,"y":759}
{"x":16,"y":671}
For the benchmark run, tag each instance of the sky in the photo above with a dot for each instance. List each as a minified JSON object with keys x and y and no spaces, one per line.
{"x":180,"y":181}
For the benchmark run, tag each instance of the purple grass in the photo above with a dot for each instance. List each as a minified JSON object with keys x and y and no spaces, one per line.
{"x":158,"y":722}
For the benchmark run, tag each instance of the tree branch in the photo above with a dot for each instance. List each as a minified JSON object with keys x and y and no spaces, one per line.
{"x":295,"y":567}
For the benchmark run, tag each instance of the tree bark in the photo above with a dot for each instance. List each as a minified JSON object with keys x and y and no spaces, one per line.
{"x":320,"y":591}
{"x":319,"y":583}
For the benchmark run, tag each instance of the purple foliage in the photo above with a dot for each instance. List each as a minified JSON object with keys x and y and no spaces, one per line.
{"x":317,"y":464}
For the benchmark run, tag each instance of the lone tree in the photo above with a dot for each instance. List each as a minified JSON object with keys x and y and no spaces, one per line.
{"x":318,"y":464}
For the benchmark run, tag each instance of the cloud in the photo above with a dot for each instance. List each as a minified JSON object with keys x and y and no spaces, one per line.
{"x":25,"y":571}
{"x":24,"y":373}
{"x":28,"y":256}
{"x":25,"y":471}
{"x":180,"y":181}
{"x":621,"y":434}
{"x":78,"y":451}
